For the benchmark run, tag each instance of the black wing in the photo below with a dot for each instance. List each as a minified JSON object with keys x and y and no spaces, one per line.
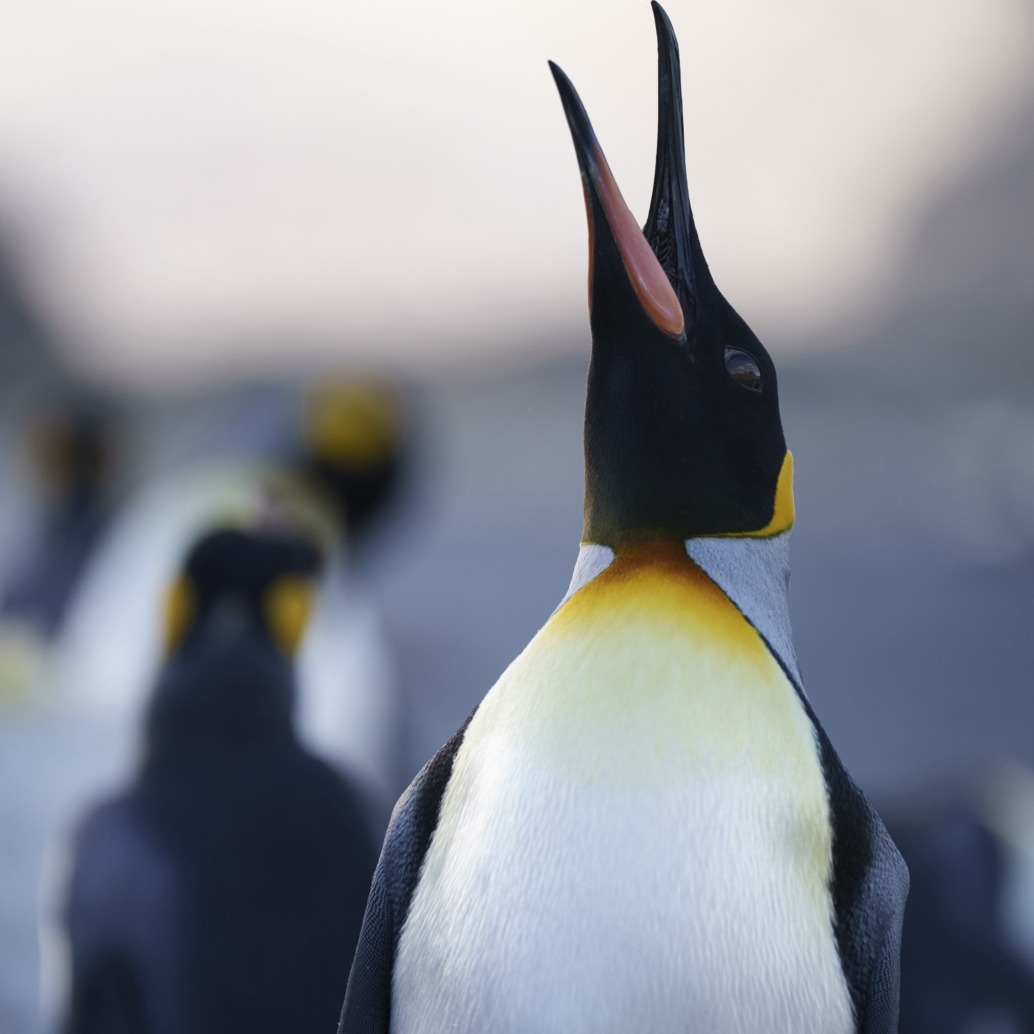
{"x":122,"y":925}
{"x":367,"y":1008}
{"x":870,"y":885}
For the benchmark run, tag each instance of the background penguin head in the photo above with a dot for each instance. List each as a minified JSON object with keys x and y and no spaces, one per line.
{"x":71,"y":450}
{"x":354,"y":436}
{"x":234,"y":618}
{"x":682,"y":430}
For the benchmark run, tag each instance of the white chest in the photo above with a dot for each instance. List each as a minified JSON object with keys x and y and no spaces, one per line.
{"x":635,"y":837}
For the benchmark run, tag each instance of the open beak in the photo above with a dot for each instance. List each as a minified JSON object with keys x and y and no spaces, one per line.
{"x":609,"y":215}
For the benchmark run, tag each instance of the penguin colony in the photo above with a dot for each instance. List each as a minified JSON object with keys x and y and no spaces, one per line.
{"x":224,"y":890}
{"x":643,"y":826}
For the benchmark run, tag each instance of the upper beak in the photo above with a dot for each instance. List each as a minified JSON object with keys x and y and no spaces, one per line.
{"x":669,"y":227}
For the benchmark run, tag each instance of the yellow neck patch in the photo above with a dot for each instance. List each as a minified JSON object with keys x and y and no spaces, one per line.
{"x":650,"y":681}
{"x":652,"y":652}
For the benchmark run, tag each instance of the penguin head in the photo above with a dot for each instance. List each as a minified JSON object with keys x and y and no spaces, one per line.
{"x":71,"y":449}
{"x":682,"y":430}
{"x":234,"y":618}
{"x":354,"y":440}
{"x":238,"y":585}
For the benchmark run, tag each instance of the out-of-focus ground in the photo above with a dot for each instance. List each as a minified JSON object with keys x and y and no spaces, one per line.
{"x":913,"y":556}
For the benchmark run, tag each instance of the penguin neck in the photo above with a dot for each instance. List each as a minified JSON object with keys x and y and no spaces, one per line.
{"x":753,"y":572}
{"x":237,"y":699}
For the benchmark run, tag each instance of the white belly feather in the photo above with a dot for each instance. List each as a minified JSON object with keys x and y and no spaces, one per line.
{"x":635,"y":836}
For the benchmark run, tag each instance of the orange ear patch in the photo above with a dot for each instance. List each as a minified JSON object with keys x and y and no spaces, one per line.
{"x":286,"y":608}
{"x":783,"y":510}
{"x":179,"y":611}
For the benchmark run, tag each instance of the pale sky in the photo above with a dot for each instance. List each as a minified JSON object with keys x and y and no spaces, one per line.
{"x":212,"y":184}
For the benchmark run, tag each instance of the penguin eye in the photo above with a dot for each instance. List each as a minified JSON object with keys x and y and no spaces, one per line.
{"x":743,"y":368}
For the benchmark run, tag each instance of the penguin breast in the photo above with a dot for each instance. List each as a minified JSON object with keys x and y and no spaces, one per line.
{"x":636,"y":832}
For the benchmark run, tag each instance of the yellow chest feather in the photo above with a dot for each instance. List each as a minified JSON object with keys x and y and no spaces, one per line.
{"x":651,"y":665}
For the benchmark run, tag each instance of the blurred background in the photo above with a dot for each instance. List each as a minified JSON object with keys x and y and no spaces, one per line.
{"x":218,"y":219}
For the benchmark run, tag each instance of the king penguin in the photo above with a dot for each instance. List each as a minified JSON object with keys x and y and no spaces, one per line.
{"x":224,"y":890}
{"x":642,"y":826}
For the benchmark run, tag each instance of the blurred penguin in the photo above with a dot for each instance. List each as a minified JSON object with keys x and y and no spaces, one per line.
{"x":967,"y":949}
{"x":69,"y":452}
{"x":224,"y":890}
{"x":354,"y":455}
{"x":334,"y":471}
{"x":354,"y":438}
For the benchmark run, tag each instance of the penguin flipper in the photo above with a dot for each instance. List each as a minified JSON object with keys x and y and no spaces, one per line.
{"x":870,"y":885}
{"x":120,"y":916}
{"x":367,"y":1006}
